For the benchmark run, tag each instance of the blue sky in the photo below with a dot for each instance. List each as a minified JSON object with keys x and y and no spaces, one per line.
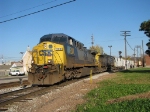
{"x":79,"y":19}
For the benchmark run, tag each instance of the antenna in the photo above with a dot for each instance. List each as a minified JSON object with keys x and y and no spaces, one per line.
{"x":92,"y":40}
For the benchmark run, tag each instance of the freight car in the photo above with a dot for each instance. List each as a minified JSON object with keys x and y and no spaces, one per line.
{"x":59,"y":57}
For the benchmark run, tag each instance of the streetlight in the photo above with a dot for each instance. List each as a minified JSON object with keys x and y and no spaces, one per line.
{"x":110,"y":49}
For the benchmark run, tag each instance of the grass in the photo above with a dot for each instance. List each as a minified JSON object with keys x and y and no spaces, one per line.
{"x":124,"y":93}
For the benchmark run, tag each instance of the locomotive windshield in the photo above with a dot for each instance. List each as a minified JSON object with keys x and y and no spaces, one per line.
{"x":45,"y":52}
{"x":56,"y":39}
{"x":45,"y":38}
{"x":59,"y":39}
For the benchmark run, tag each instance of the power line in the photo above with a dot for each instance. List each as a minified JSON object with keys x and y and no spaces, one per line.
{"x":129,"y":45}
{"x":38,"y":11}
{"x":111,"y":40}
{"x":119,"y":39}
{"x":27,"y":9}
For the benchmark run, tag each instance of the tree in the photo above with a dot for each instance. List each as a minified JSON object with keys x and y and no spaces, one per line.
{"x":145,"y":26}
{"x":97,"y":48}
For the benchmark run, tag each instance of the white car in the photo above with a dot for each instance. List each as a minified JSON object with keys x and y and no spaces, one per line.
{"x":16,"y":72}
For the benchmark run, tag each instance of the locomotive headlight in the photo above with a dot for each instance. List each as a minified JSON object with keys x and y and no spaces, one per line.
{"x":49,"y":61}
{"x":32,"y":61}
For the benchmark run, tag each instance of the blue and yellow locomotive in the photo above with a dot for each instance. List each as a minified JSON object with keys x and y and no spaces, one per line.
{"x":58,"y":57}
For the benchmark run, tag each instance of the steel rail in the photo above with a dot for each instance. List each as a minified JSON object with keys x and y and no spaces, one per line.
{"x":14,"y":92}
{"x":19,"y":95}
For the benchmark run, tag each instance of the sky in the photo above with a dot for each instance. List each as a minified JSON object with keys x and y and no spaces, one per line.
{"x":80,"y":19}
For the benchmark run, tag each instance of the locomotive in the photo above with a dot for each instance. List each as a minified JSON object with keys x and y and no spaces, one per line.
{"x":59,"y":57}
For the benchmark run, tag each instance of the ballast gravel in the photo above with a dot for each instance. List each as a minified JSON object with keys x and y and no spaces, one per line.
{"x":63,"y":99}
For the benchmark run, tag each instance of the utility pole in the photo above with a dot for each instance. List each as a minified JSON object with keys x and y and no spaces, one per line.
{"x":125,"y":34}
{"x":143,"y":54}
{"x":137,"y":55}
{"x":92,"y":40}
{"x":134,"y":57}
{"x":2,"y":60}
{"x":110,"y":49}
{"x":140,"y":52}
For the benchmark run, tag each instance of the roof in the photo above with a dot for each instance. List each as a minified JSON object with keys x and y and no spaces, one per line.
{"x":49,"y":37}
{"x":17,"y":64}
{"x":30,"y":53}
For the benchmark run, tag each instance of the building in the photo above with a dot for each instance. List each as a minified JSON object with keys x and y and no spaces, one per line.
{"x":120,"y":62}
{"x":17,"y":66}
{"x":147,"y":60}
{"x":27,"y":58}
{"x":4,"y":69}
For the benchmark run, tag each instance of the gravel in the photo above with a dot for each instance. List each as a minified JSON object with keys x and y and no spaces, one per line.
{"x":5,"y":90}
{"x":63,"y":99}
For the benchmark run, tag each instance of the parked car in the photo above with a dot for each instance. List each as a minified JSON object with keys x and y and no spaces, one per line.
{"x":16,"y":73}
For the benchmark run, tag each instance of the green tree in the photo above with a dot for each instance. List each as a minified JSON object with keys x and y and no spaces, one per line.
{"x":145,"y":26}
{"x":97,"y":48}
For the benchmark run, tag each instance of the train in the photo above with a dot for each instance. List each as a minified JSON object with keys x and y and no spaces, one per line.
{"x":58,"y":57}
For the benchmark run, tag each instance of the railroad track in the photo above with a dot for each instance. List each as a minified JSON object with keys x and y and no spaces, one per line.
{"x":13,"y":84}
{"x":22,"y":95}
{"x":25,"y":94}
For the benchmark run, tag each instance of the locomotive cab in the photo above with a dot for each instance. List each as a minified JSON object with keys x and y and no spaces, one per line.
{"x":48,"y":58}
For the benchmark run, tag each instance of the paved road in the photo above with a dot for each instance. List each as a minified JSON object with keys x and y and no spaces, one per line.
{"x":12,"y":79}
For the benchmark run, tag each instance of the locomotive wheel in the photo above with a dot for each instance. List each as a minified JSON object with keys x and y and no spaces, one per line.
{"x":68,"y":74}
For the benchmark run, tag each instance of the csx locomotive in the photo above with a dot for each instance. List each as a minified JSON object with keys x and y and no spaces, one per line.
{"x":58,"y":57}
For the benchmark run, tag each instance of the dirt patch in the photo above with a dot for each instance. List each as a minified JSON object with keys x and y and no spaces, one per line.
{"x":129,"y":97}
{"x":62,"y":99}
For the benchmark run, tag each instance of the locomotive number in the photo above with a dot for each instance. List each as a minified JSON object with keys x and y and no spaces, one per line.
{"x":58,"y":49}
